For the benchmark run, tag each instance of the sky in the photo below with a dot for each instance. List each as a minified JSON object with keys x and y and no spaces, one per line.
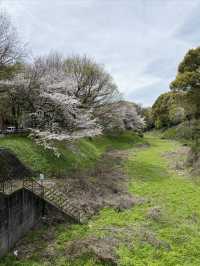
{"x":140,"y":42}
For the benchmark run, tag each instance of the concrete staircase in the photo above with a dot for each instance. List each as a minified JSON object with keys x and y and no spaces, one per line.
{"x":54,"y":197}
{"x":48,"y":192}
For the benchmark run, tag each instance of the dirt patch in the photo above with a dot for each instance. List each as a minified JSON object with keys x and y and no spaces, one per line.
{"x":184,"y":162}
{"x":103,"y":249}
{"x":11,"y":166}
{"x":105,"y":186}
{"x":155,"y":213}
{"x":150,"y":238}
{"x":193,"y":161}
{"x":178,"y":159}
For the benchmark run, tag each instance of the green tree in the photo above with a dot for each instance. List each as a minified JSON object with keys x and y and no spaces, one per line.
{"x":8,"y":72}
{"x":148,"y":117}
{"x":188,"y":81}
{"x":166,"y":110}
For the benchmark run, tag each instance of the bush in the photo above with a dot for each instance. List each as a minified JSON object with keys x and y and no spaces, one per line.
{"x":183,"y":131}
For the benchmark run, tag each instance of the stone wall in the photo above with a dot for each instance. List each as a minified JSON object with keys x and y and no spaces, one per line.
{"x":19,"y":212}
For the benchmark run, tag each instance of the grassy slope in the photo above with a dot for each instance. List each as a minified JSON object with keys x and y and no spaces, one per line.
{"x":77,"y":155}
{"x":179,"y":226}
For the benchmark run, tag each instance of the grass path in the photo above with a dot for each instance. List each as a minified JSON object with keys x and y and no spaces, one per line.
{"x":162,"y":231}
{"x":179,"y":201}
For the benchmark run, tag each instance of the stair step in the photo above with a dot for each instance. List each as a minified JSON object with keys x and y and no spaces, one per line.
{"x":57,"y":198}
{"x":51,"y":198}
{"x":69,"y":211}
{"x":48,"y":194}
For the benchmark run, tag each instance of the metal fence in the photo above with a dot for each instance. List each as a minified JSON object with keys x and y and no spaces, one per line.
{"x":16,"y":131}
{"x":34,"y":186}
{"x":6,"y":186}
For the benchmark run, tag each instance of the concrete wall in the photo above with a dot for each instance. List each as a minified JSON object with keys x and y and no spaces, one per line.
{"x":19,"y":212}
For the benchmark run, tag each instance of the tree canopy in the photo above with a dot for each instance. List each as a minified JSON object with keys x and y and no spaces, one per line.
{"x":167,"y":110}
{"x":188,"y":81}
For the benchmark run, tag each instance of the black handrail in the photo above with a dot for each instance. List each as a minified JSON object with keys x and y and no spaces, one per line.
{"x":34,"y":186}
{"x":6,"y":185}
{"x":40,"y":190}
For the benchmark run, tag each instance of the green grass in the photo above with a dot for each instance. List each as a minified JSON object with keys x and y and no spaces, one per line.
{"x":178,"y":197}
{"x":179,"y":200}
{"x":179,"y":225}
{"x":77,"y":155}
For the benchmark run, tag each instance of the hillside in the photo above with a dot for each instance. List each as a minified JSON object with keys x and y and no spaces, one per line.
{"x":162,"y":228}
{"x":78,"y":155}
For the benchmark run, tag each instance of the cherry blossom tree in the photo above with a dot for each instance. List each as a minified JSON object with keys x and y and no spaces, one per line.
{"x":42,"y":96}
{"x":58,"y":104}
{"x":93,"y":85}
{"x":122,"y":116}
{"x":10,"y":47}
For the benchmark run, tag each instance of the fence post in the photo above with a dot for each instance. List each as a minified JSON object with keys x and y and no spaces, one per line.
{"x":11,"y":186}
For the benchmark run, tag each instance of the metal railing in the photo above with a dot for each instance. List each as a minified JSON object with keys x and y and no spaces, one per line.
{"x":6,"y":185}
{"x":50,"y":194}
{"x":14,"y":132}
{"x":34,"y":186}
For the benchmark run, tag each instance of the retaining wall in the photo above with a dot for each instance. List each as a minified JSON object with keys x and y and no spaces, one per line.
{"x":19,"y":212}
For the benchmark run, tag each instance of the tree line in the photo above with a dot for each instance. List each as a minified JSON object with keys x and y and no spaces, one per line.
{"x":181,"y":105}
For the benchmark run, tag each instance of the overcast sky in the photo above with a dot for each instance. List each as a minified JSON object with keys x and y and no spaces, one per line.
{"x":140,"y":42}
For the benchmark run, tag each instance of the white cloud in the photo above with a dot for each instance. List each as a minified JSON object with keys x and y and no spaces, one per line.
{"x":136,"y":40}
